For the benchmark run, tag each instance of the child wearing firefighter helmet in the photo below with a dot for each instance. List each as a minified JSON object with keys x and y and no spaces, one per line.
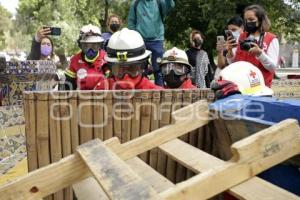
{"x":176,"y":69}
{"x":85,"y":69}
{"x":127,"y":59}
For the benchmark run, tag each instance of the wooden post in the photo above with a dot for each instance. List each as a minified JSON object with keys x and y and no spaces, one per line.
{"x":145,"y":119}
{"x":55,"y":135}
{"x":30,"y":130}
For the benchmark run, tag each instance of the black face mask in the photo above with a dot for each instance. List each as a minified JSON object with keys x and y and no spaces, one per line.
{"x":172,"y":80}
{"x":251,"y":27}
{"x":197,"y":42}
{"x":114,"y":27}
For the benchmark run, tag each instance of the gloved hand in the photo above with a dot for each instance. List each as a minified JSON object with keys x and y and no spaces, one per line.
{"x":224,"y":88}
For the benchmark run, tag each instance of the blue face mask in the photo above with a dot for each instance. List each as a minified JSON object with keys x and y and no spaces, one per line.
{"x":91,"y":53}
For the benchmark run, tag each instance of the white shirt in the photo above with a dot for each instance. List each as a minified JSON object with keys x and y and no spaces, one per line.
{"x":269,"y":60}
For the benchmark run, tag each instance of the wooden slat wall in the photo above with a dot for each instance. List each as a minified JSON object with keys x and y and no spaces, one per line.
{"x":94,"y":114}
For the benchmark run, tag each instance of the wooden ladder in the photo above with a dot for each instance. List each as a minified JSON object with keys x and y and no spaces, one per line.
{"x":111,"y":170}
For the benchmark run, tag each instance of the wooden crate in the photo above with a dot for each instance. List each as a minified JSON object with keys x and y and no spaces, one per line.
{"x":98,"y":171}
{"x":56,"y":123}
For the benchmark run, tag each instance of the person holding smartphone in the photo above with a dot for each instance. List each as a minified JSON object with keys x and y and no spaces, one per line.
{"x":42,"y":47}
{"x":256,"y":45}
{"x":234,"y":27}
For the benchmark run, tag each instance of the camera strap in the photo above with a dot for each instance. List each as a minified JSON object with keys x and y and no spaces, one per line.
{"x":261,"y":40}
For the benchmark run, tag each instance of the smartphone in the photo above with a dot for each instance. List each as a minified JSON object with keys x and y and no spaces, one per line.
{"x":54,"y":30}
{"x":229,"y":33}
{"x":220,"y":38}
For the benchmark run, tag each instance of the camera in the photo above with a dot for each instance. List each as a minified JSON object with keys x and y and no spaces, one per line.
{"x":246,"y":44}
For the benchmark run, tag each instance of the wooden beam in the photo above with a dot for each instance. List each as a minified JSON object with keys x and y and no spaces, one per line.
{"x":251,"y":156}
{"x":199,"y":161}
{"x":113,"y":175}
{"x":45,"y":181}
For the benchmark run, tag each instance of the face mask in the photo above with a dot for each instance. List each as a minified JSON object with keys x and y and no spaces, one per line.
{"x":197,"y":42}
{"x":91,"y":54}
{"x":127,"y":83}
{"x":114,"y":27}
{"x":172,"y":80}
{"x":251,"y":27}
{"x":236,"y":35}
{"x":46,"y":50}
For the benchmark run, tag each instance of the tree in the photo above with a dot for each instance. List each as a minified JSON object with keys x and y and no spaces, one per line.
{"x":210,"y":17}
{"x":5,"y":24}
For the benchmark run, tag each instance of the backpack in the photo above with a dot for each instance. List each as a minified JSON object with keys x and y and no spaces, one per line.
{"x":159,"y":7}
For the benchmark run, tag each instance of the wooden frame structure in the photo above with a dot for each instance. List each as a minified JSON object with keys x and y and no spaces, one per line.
{"x":104,"y":161}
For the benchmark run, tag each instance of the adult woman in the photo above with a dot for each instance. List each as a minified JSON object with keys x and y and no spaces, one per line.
{"x":201,"y":70}
{"x":113,"y":25}
{"x":42,"y":46}
{"x":261,"y":47}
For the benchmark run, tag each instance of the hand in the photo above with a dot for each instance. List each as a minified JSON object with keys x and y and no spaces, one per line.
{"x":224,"y":88}
{"x":230,"y":43}
{"x":42,"y":32}
{"x":255,"y":50}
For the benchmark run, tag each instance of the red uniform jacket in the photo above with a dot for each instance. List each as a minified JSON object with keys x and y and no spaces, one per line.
{"x":111,"y":84}
{"x":245,"y":56}
{"x":87,"y":75}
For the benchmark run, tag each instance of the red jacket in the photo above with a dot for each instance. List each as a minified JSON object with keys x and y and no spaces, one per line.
{"x":111,"y":84}
{"x":87,"y":75}
{"x":187,"y":84}
{"x":245,"y":56}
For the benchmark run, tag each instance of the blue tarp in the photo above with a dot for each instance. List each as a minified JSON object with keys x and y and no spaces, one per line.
{"x":268,"y":111}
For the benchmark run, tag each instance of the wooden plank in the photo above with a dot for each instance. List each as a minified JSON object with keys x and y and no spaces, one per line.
{"x":30,"y":130}
{"x":74,"y":120}
{"x":85,"y":117}
{"x":251,"y":156}
{"x":135,"y":122}
{"x":165,"y":113}
{"x":152,"y":177}
{"x":108,"y":128}
{"x":46,"y":180}
{"x":42,"y":118}
{"x":121,"y":182}
{"x":127,"y":115}
{"x":171,"y":164}
{"x":117,"y":114}
{"x":145,"y":119}
{"x":65,"y":114}
{"x":99,"y":110}
{"x":155,"y":115}
{"x":55,"y":135}
{"x":89,"y":189}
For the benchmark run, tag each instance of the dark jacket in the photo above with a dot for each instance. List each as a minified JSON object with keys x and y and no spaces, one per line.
{"x":35,"y":52}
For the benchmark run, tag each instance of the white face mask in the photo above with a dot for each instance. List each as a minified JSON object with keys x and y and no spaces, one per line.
{"x":236,"y":34}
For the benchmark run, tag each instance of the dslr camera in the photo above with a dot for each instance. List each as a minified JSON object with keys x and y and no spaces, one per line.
{"x":246,"y":44}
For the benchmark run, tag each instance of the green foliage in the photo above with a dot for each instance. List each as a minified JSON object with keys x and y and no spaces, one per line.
{"x":5,"y":24}
{"x":208,"y":16}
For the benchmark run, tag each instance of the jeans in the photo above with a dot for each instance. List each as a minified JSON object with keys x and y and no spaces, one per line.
{"x":157,"y":49}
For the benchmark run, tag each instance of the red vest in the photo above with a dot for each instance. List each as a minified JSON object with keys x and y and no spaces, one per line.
{"x":245,"y":56}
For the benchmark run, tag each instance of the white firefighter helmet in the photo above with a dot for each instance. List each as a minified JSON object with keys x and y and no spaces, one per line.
{"x":126,"y":46}
{"x":175,"y":55}
{"x":90,"y":34}
{"x":248,"y":78}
